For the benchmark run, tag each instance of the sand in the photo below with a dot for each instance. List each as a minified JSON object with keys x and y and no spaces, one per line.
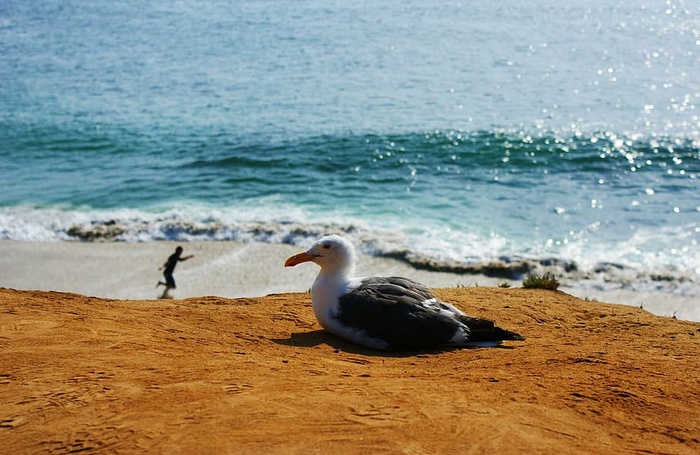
{"x":88,"y":375}
{"x":130,"y":270}
{"x":234,"y":269}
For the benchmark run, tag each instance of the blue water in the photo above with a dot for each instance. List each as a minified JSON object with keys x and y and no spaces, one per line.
{"x":480,"y":138}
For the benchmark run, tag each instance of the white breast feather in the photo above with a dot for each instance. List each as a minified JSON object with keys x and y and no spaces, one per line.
{"x":324,"y":299}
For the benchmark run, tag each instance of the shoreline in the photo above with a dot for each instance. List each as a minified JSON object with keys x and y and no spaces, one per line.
{"x":233,"y":270}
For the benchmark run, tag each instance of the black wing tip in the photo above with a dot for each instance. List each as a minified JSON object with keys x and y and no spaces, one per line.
{"x":487,"y":330}
{"x":507,"y":335}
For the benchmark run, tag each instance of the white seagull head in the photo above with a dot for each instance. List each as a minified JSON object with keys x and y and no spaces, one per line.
{"x":333,"y":253}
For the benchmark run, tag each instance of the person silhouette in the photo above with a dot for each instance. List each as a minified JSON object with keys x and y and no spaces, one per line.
{"x":168,"y":269}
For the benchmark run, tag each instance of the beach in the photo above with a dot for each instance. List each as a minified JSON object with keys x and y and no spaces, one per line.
{"x":126,"y":270}
{"x":466,"y":146}
{"x":259,"y":375}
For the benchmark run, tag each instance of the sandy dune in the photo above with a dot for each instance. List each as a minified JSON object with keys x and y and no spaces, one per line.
{"x":259,"y":376}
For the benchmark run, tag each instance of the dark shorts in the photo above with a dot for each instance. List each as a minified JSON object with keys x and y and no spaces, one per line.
{"x":169,"y":280}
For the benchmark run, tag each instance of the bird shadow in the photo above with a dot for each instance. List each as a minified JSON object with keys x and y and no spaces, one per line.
{"x":318,"y":337}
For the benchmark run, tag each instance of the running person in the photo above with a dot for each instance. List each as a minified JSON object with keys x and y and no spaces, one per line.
{"x":169,"y":267}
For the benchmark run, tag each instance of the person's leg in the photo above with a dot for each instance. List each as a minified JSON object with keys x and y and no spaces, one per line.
{"x":169,"y":281}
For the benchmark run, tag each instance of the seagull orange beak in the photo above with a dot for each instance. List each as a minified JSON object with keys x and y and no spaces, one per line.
{"x":299,"y":258}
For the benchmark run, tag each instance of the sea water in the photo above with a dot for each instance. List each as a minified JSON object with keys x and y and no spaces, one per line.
{"x":502,"y":138}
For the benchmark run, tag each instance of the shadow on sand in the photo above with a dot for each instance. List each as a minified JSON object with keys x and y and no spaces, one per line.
{"x":318,"y":337}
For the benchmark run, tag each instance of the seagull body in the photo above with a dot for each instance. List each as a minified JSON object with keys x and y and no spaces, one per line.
{"x":388,"y":313}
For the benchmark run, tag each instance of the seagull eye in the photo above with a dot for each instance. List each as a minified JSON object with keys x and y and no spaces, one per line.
{"x":326,"y":246}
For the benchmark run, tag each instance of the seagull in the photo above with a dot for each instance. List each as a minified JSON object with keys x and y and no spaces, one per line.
{"x":386,"y":313}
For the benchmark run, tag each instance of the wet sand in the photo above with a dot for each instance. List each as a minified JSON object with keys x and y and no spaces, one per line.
{"x":232,"y":269}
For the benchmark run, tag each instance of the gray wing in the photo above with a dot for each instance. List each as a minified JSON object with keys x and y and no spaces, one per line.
{"x":408,"y":316}
{"x":399,"y":311}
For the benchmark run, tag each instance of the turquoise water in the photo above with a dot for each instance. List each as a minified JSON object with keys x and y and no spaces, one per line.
{"x":449,"y":135}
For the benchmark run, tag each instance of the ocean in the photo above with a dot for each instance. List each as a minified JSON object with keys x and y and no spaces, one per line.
{"x":502,"y":138}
